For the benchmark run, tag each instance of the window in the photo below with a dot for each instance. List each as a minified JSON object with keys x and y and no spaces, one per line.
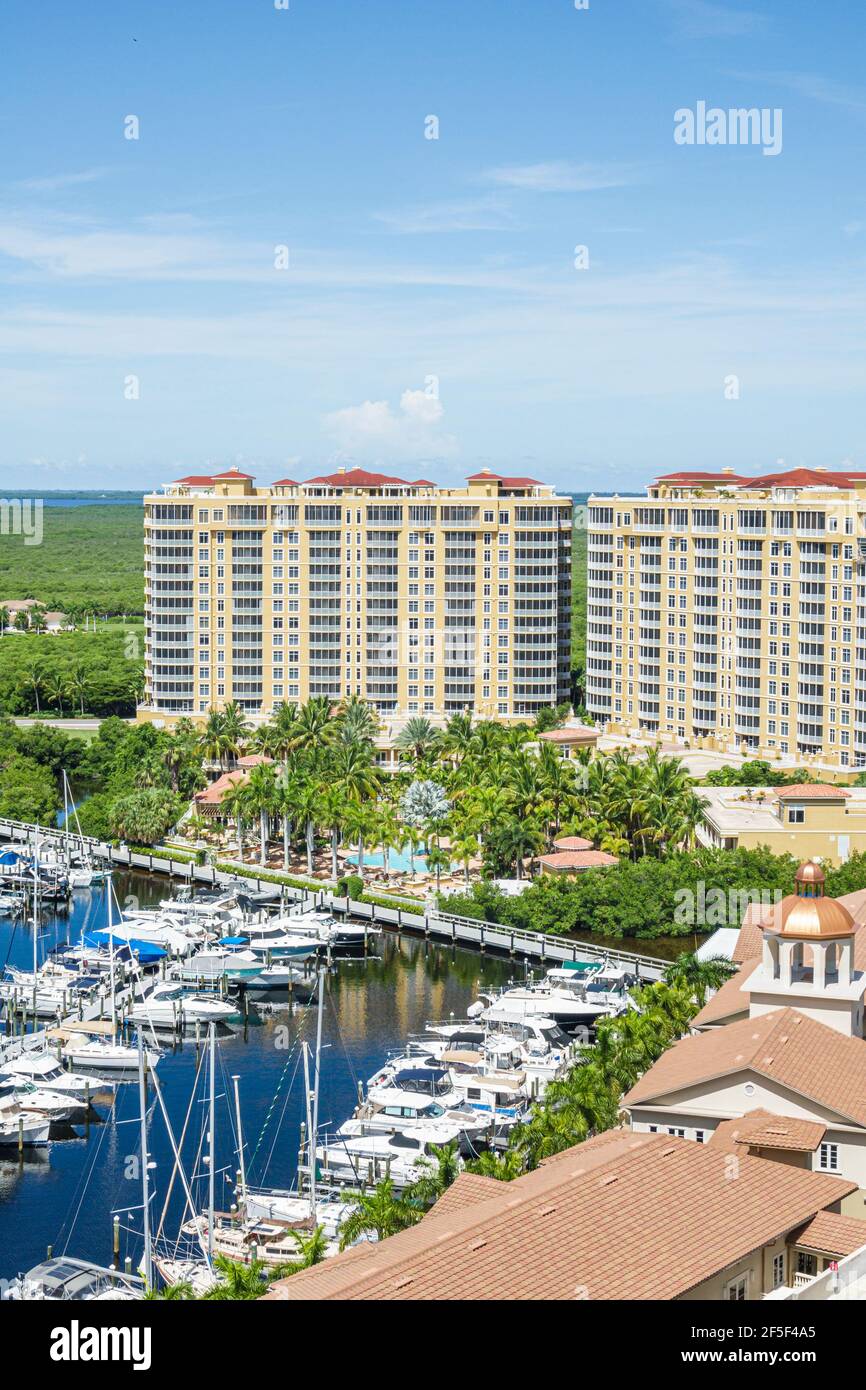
{"x":796,"y":815}
{"x":828,"y":1158}
{"x":738,"y":1290}
{"x":778,"y":1270}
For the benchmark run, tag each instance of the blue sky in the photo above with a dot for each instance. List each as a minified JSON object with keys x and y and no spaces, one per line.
{"x":417,"y":264}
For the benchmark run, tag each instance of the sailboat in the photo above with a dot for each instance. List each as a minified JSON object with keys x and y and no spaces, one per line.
{"x":106,"y":1054}
{"x":80,"y":869}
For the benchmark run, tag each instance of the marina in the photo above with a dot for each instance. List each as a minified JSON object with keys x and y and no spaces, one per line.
{"x":65,"y":1195}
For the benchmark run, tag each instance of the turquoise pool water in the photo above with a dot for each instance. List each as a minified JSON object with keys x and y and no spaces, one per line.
{"x":398,"y":859}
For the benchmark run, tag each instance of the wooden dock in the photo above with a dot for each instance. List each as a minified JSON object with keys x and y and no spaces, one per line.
{"x":432,"y":925}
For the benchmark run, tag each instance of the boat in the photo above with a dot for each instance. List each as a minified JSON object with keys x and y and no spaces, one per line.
{"x":62,"y":1279}
{"x":25,"y":1098}
{"x":106,"y":1054}
{"x":168,"y":1005}
{"x":20,"y":1129}
{"x":362,"y":1160}
{"x":42,"y":1068}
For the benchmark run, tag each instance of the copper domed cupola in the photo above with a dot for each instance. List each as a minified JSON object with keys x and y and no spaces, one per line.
{"x":807,"y":913}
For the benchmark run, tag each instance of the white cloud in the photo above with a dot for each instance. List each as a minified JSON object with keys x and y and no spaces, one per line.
{"x":373,"y":430}
{"x":700,"y":19}
{"x":53,"y":182}
{"x":478,"y":215}
{"x":561,"y":176}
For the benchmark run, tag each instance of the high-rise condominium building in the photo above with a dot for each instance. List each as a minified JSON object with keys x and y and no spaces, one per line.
{"x":416,"y":598}
{"x":733,"y":610}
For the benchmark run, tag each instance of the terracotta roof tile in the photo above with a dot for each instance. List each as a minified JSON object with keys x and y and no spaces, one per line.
{"x":728,"y":1001}
{"x":812,"y":791}
{"x":784,"y":1046}
{"x":832,"y":1234}
{"x":538,"y":1238}
{"x":762,"y":1129}
{"x":578,"y":859}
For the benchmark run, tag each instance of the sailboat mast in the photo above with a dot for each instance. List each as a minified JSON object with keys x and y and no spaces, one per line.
{"x":66,"y":818}
{"x":241,"y":1163}
{"x":35,"y":910}
{"x":315,"y":1124}
{"x":212,"y":1163}
{"x":111,"y":968}
{"x":145,"y":1179}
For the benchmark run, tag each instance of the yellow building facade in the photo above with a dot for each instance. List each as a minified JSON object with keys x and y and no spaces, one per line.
{"x":419,"y":599}
{"x":730,"y":612}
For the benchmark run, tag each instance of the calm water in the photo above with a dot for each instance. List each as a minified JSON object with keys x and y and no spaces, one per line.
{"x":65,"y":1195}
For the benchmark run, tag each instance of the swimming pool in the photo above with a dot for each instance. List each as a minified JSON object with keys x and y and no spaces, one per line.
{"x":398,"y":860}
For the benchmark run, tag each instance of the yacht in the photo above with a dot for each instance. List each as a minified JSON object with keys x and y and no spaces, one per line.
{"x":168,"y":1004}
{"x":19,"y":1128}
{"x":26,"y":1099}
{"x":42,"y":1068}
{"x":391,"y":1109}
{"x":106,"y":1054}
{"x":362,"y":1159}
{"x":62,"y":1278}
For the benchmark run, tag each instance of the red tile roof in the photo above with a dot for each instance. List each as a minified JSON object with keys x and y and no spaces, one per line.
{"x":830,"y":1233}
{"x":610,"y":1219}
{"x":234,"y":473}
{"x":762,"y":1129}
{"x":359,"y":477}
{"x":573,"y":842}
{"x":578,"y":859}
{"x":793,"y":477}
{"x":485,"y":476}
{"x":784,"y":1046}
{"x":284,"y":482}
{"x":195,"y":478}
{"x":813,"y":791}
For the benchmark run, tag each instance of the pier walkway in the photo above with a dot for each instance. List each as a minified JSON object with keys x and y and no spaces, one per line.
{"x":440,"y":927}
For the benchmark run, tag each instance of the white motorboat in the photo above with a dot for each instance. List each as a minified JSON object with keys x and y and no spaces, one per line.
{"x":104,"y":1054}
{"x":42,"y":1068}
{"x":23,"y":1129}
{"x":368,"y":1158}
{"x":30,"y":1100}
{"x":168,"y":1005}
{"x":569,"y":1001}
{"x":218,"y":962}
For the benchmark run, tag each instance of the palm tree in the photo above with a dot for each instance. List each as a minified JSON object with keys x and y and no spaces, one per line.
{"x":234,"y":805}
{"x":236,"y":727}
{"x":466,"y":847}
{"x":215,"y":741}
{"x":260,"y":795}
{"x":381,"y":1213}
{"x":238,"y":1281}
{"x":697,"y":976}
{"x":78,"y":684}
{"x":55,"y":689}
{"x":436,"y":1172}
{"x":172,"y":1292}
{"x":286,"y":794}
{"x":418,"y":738}
{"x":34,"y":677}
{"x":358,"y":722}
{"x":4,"y":619}
{"x":309,"y":812}
{"x":437,"y":860}
{"x":316,"y":728}
{"x":312,"y":1249}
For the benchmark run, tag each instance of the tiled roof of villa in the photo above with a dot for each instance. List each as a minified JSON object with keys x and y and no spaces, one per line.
{"x":537,"y":1238}
{"x":762,"y":1129}
{"x":784,"y":1046}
